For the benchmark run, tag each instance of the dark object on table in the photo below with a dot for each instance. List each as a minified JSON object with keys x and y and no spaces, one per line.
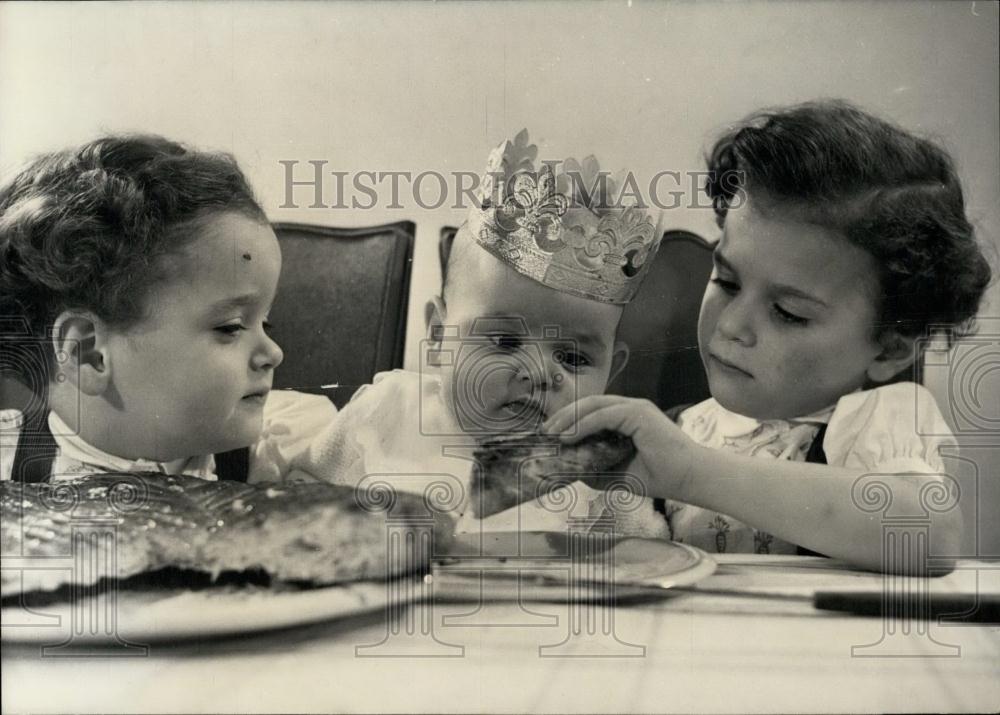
{"x":952,"y":608}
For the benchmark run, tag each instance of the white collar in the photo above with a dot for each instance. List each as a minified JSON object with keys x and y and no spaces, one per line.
{"x":734,"y":426}
{"x":73,"y":447}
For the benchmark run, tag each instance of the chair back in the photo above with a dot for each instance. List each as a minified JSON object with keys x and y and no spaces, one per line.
{"x":444,"y":249}
{"x":341,"y":309}
{"x":660,"y":325}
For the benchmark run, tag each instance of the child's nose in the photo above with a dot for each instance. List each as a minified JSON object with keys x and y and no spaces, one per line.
{"x":544,"y":376}
{"x":268,"y":356}
{"x":736,"y":323}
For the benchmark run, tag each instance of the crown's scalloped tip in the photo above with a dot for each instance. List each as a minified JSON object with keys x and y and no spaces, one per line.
{"x":537,"y":227}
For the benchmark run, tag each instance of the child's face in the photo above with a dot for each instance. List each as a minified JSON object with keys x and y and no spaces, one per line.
{"x":192,"y":377}
{"x":500,"y":379}
{"x":786,"y":322}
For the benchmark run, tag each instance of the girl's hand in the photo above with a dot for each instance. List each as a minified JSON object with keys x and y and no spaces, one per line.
{"x":666,"y":453}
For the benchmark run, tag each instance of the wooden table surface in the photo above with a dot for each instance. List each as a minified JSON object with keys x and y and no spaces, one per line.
{"x":691,"y":652}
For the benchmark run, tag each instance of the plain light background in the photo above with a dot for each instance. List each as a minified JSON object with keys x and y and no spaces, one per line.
{"x":433,"y":87}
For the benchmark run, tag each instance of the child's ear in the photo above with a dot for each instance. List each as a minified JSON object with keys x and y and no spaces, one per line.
{"x":435,"y":313}
{"x":619,"y":359}
{"x":81,"y":349}
{"x":897,"y":354}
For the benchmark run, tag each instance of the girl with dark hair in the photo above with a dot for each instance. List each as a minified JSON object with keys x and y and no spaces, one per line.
{"x":844,"y":243}
{"x":135,"y":280}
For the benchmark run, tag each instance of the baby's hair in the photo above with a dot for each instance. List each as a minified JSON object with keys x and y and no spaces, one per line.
{"x":895,"y":195}
{"x":458,"y":259}
{"x":84,"y":228}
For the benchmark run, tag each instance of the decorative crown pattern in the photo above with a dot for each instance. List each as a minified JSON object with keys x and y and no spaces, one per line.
{"x":563,"y":227}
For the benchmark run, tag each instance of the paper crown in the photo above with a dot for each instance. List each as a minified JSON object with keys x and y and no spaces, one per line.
{"x":562,"y":228}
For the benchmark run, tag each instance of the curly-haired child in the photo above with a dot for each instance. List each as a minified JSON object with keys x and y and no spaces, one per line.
{"x":844,"y":241}
{"x":136,"y":276}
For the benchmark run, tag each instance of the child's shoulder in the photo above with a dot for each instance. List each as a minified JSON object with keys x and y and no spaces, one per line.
{"x":286,"y":400}
{"x":394,"y":401}
{"x":905,"y":405}
{"x":291,"y":406}
{"x":389,"y":385}
{"x":896,"y":427}
{"x":397,"y":379}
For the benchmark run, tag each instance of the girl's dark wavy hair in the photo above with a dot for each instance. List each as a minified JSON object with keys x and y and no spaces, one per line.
{"x":895,"y":195}
{"x":85,"y":228}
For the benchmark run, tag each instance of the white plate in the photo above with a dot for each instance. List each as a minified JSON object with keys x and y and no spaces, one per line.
{"x":556,"y":566}
{"x":151,"y":616}
{"x":538,"y":566}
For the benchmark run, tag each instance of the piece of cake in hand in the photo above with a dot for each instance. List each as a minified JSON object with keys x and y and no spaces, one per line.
{"x":514,"y":469}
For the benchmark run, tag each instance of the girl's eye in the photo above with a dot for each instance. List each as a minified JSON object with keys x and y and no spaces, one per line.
{"x":508,"y":343}
{"x":726,"y":286}
{"x":787,"y":317}
{"x":230,"y":328}
{"x":268,"y":326}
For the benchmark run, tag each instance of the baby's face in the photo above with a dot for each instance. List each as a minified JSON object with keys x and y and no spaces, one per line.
{"x":192,"y":377}
{"x":519,"y":351}
{"x":786,"y":324}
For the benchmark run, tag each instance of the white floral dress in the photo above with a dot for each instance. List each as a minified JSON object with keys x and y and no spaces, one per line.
{"x":891,"y":429}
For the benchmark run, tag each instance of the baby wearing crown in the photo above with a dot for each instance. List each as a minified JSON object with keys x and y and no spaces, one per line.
{"x":525,"y":324}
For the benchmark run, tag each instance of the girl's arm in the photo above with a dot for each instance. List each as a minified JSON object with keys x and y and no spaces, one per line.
{"x":813,"y":505}
{"x":807,"y":504}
